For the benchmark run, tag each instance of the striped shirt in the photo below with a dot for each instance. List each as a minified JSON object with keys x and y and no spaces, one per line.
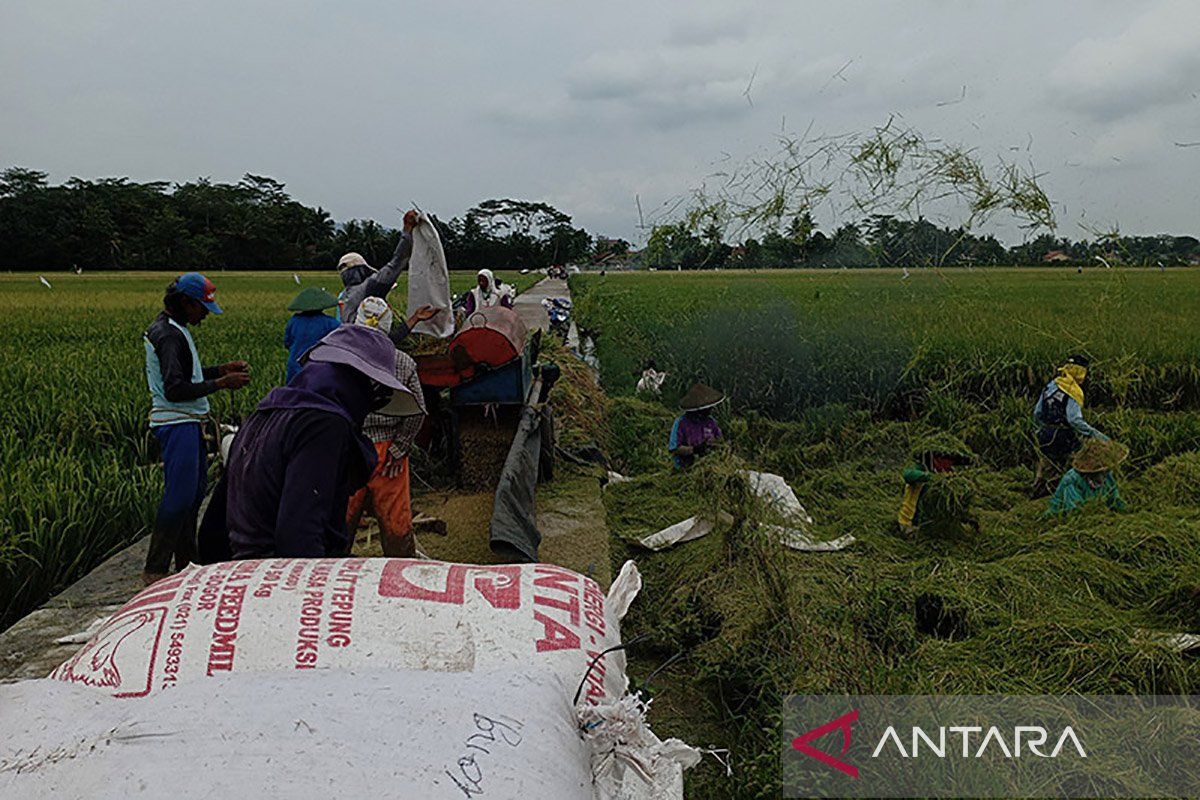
{"x":399,"y":432}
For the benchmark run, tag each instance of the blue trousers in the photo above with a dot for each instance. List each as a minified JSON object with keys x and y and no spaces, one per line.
{"x":185,"y":472}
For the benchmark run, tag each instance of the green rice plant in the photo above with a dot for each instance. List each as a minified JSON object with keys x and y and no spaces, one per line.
{"x":78,"y":466}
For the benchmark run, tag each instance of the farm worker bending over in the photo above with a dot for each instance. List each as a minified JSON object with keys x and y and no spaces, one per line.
{"x":488,"y":292}
{"x":301,"y":454}
{"x":308,"y":325}
{"x":938,"y":455}
{"x":1059,"y":415}
{"x":387,"y":490}
{"x":1091,"y":477}
{"x":695,"y":430}
{"x":360,"y":280}
{"x":179,"y":389}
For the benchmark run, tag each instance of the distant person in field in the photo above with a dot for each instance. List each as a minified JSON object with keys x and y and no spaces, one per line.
{"x":651,"y":379}
{"x":939,"y":455}
{"x":1059,"y":415}
{"x":300,"y":456}
{"x":308,"y":325}
{"x":695,"y":430}
{"x":179,"y":390}
{"x":387,"y":492}
{"x":487,"y":292}
{"x":361,"y":280}
{"x":1091,"y":478}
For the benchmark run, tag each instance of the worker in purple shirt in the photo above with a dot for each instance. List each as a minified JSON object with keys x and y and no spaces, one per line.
{"x":695,"y":430}
{"x":301,"y":454}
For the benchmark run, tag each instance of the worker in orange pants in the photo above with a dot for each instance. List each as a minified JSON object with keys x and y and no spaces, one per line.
{"x":387,"y":491}
{"x":390,"y":501}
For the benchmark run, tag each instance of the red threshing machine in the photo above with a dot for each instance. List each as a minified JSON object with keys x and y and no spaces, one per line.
{"x":491,"y":373}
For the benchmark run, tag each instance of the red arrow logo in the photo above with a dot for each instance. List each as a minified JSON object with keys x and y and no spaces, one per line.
{"x":843,"y":724}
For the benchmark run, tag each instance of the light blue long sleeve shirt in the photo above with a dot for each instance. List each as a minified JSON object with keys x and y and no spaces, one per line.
{"x":1074,"y":413}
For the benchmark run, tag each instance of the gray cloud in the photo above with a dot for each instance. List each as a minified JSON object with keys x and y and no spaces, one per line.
{"x":364,"y":105}
{"x":1151,"y":62}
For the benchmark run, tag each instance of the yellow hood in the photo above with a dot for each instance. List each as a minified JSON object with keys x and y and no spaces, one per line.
{"x":1069,"y":376}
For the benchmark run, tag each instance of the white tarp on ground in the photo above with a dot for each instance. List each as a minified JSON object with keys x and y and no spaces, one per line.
{"x":429,"y":279}
{"x":347,"y":734}
{"x":286,"y":615}
{"x":783,"y":503}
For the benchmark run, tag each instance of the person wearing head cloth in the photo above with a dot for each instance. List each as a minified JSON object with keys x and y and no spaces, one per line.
{"x":1091,"y":478}
{"x":360,"y":280}
{"x":487,"y":292}
{"x":1059,"y":416}
{"x":308,"y":325}
{"x":936,"y":455}
{"x":387,"y":490}
{"x":179,"y":389}
{"x":297,"y":459}
{"x":695,"y":430}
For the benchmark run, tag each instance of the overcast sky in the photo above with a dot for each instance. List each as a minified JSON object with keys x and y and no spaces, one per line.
{"x":361,"y":106}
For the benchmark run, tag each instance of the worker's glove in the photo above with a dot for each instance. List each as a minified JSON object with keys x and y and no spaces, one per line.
{"x":684,"y":450}
{"x":391,"y":466}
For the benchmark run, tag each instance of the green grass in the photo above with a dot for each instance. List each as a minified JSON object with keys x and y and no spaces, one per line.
{"x":78,"y":477}
{"x":832,"y":378}
{"x":781,"y":341}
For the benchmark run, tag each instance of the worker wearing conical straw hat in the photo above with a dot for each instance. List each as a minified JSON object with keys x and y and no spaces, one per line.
{"x":1091,"y":477}
{"x":695,"y":430}
{"x":1059,"y":415}
{"x":308,"y":325}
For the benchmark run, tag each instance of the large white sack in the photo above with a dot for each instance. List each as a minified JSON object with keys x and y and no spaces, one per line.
{"x":429,"y":279}
{"x":284,"y":615}
{"x":357,"y":734}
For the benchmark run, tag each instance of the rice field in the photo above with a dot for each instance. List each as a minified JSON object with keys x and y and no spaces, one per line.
{"x":778,"y":342}
{"x":78,"y":472}
{"x":832,"y":378}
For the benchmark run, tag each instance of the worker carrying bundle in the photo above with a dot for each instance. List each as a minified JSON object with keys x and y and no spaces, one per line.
{"x":935,"y":500}
{"x":361,"y":280}
{"x":387,"y":491}
{"x":1059,"y":415}
{"x":1091,"y":477}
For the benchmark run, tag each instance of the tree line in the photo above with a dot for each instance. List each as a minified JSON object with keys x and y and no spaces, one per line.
{"x":117,"y":223}
{"x":888,"y":241}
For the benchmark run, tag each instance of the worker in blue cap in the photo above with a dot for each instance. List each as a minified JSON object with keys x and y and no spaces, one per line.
{"x":179,"y":389}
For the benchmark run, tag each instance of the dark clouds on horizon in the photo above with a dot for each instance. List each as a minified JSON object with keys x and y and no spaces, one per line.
{"x":365,"y":106}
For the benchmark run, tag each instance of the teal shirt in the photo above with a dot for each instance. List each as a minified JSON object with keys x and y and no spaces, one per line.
{"x":1074,"y":491}
{"x":162,"y":410}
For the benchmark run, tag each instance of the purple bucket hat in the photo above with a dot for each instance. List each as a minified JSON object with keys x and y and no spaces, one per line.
{"x":372,"y":353}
